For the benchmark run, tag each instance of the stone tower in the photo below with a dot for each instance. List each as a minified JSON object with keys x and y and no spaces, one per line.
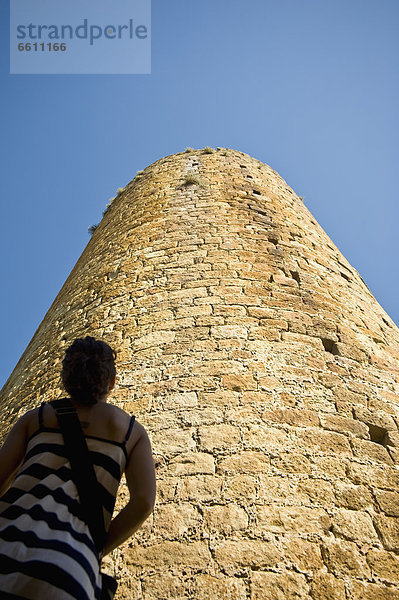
{"x":265,"y":373}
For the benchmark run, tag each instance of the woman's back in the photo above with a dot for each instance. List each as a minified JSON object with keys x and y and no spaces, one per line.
{"x":101,"y":420}
{"x":40,"y":514}
{"x":47,"y":548}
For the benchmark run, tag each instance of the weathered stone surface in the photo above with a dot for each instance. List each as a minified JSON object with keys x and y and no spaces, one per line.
{"x":303,"y":555}
{"x":265,"y":374}
{"x":176,"y":441}
{"x":291,"y":518}
{"x":317,"y":491}
{"x":384,"y":565}
{"x":192,"y":463}
{"x":343,"y":559}
{"x":169,"y":554}
{"x":239,"y":556}
{"x":278,"y":586}
{"x":355,"y":497}
{"x":199,"y":488}
{"x":224,"y":519}
{"x":381,"y":476}
{"x":388,"y":528}
{"x":327,"y":442}
{"x":376,"y":452}
{"x":236,"y":487}
{"x":171,"y":521}
{"x":388,"y":502}
{"x":343,"y":425}
{"x":207,"y":587}
{"x":244,"y":462}
{"x":166,"y":586}
{"x":214,"y":437}
{"x":354,"y":525}
{"x":263,"y":436}
{"x":325,"y":586}
{"x":371,"y":591}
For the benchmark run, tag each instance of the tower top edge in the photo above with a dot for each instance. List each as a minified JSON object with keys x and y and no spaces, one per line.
{"x":207,"y":150}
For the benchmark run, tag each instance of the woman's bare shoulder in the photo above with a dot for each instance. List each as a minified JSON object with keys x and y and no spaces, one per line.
{"x":122,"y":420}
{"x":31,"y":418}
{"x":138,"y":433}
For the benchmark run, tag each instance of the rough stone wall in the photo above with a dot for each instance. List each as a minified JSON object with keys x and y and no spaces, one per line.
{"x":265,"y":372}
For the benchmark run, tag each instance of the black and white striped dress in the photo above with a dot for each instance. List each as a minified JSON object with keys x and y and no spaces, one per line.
{"x":46,"y":549}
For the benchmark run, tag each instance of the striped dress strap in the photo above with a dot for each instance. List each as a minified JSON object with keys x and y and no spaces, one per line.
{"x":132,"y":419}
{"x":41,"y":414}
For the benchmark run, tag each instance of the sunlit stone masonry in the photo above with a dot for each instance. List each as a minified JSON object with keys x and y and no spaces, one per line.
{"x":265,"y":372}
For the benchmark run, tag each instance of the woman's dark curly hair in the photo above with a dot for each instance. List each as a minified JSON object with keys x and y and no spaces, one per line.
{"x":87,"y":370}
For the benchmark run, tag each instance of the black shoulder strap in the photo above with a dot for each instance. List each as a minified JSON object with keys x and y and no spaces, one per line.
{"x":83,"y":472}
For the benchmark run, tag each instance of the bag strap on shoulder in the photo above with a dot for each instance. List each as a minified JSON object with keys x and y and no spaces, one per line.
{"x":83,"y":473}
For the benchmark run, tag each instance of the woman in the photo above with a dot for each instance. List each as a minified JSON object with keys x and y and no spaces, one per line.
{"x":46,"y":549}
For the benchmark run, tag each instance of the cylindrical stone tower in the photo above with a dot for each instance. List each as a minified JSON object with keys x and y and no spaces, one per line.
{"x":265,"y":373}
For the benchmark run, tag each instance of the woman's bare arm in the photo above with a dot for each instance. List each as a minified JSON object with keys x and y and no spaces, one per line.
{"x":140,"y":477}
{"x":13,"y":451}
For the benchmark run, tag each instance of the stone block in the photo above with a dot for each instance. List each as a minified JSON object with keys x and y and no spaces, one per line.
{"x":319,"y":440}
{"x":239,"y":383}
{"x":156,"y":338}
{"x":244,"y":462}
{"x":174,"y":520}
{"x":352,"y":351}
{"x":354,"y":497}
{"x":325,"y":586}
{"x":239,"y":487}
{"x":224,"y":519}
{"x":278,"y":586}
{"x":317,"y":491}
{"x":219,"y":367}
{"x":376,"y":452}
{"x":377,"y":418}
{"x":181,"y":399}
{"x":199,"y":488}
{"x":192,"y":463}
{"x":344,"y":425}
{"x":378,"y":476}
{"x":394,"y":454}
{"x":384,"y":565}
{"x":278,"y":489}
{"x":174,"y":555}
{"x":271,"y":439}
{"x":296,"y":417}
{"x":292,"y":462}
{"x":388,"y":502}
{"x":238,"y":557}
{"x":388,"y":528}
{"x":392,"y":438}
{"x":360,"y":590}
{"x":208,"y":587}
{"x":354,"y":525}
{"x":193,"y":311}
{"x":304,"y":556}
{"x":229,"y":331}
{"x":177,"y":440}
{"x":291,"y":519}
{"x":260,"y":332}
{"x":218,"y":398}
{"x":243,"y":415}
{"x":216,"y":437}
{"x":343,"y":559}
{"x":166,"y":488}
{"x":195,"y":417}
{"x":233,"y":310}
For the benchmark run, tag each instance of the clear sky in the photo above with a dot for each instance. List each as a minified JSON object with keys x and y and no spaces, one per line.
{"x":309,"y":87}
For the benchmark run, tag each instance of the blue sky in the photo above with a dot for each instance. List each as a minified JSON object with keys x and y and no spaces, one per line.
{"x":309,"y":87}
